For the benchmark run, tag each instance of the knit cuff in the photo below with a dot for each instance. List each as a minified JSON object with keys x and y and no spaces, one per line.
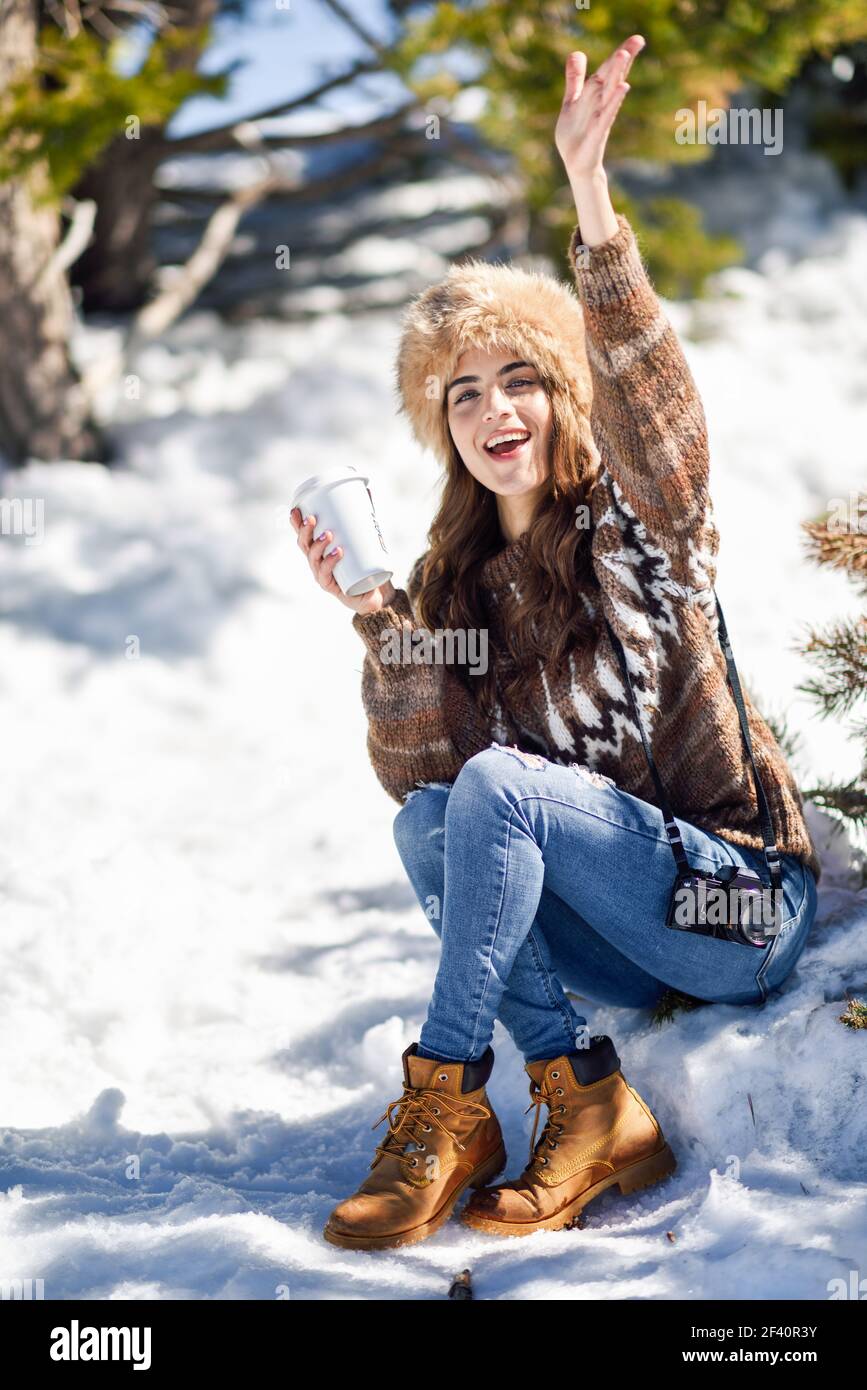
{"x":609,"y":271}
{"x":370,"y":626}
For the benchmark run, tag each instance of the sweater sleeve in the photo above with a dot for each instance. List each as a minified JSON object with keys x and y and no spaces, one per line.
{"x":423,"y":724}
{"x":647,"y":417}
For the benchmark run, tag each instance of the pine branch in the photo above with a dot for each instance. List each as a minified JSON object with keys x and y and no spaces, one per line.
{"x":855,"y":1015}
{"x":858,"y":731}
{"x":673,"y":1001}
{"x":840,"y":652}
{"x":839,"y":547}
{"x":846,"y":801}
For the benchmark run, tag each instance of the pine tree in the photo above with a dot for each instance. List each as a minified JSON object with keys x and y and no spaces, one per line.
{"x":43,"y":409}
{"x":512,"y":56}
{"x":839,"y":652}
{"x":65,"y":100}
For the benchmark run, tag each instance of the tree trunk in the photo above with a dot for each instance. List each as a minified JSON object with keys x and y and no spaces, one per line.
{"x":43,"y":410}
{"x":115,"y":273}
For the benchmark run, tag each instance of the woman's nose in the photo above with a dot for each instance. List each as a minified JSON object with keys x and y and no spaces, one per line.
{"x":497,"y":403}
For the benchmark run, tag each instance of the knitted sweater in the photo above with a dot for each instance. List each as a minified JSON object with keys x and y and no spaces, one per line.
{"x":653,"y":545}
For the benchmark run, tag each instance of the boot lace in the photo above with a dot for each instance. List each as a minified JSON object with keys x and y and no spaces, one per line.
{"x":552,"y":1129}
{"x":418,"y":1112}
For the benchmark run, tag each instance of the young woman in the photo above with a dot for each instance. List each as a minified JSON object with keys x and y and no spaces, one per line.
{"x":576,"y":463}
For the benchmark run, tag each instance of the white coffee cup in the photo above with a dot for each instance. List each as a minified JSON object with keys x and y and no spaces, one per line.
{"x":342,"y":503}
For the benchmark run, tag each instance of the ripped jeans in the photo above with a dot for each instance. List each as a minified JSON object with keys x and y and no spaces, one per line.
{"x":545,"y":877}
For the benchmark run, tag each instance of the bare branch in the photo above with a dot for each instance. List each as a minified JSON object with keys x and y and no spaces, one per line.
{"x":381,"y":125}
{"x":71,"y":16}
{"x":355,"y":25}
{"x":202,"y":265}
{"x":66,"y":16}
{"x":211,"y":139}
{"x":83,"y":214}
{"x":213,"y":247}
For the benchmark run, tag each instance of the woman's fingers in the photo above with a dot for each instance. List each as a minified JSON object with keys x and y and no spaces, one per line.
{"x":617,"y":64}
{"x":591,"y":104}
{"x":316,"y":549}
{"x":604,"y":117}
{"x":316,"y":553}
{"x":612,"y":104}
{"x":303,"y":529}
{"x":306,"y":530}
{"x":576,"y":68}
{"x":633,"y":47}
{"x":322,"y":563}
{"x":314,"y":546}
{"x":607,"y":76}
{"x":325,"y":573}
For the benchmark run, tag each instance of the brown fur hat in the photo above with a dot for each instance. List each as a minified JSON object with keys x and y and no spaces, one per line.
{"x":498,"y":308}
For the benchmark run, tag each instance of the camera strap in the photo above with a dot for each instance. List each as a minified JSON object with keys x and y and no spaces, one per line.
{"x":772,"y":854}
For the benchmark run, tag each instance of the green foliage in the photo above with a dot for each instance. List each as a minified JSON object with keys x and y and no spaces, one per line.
{"x":63,"y":112}
{"x":855,"y":1015}
{"x":679,"y":253}
{"x":844,"y":801}
{"x":695,"y":52}
{"x":671,"y":1002}
{"x":839,"y":653}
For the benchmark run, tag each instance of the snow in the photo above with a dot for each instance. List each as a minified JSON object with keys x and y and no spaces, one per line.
{"x":211,"y":957}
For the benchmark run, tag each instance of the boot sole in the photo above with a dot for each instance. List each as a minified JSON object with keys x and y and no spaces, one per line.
{"x":645,"y":1173}
{"x":491,"y":1168}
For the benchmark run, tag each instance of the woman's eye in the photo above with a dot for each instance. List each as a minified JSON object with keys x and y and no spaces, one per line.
{"x":470,"y":392}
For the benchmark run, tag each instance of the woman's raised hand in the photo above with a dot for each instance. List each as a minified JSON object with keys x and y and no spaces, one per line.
{"x":322,"y":565}
{"x":590,"y":105}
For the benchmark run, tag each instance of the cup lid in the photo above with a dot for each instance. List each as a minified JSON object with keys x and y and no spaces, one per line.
{"x":327,"y":477}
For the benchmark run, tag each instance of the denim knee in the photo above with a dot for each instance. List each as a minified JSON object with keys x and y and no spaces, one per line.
{"x":490,"y":771}
{"x":421,"y":817}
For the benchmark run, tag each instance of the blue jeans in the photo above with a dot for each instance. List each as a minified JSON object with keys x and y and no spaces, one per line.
{"x":539,"y":878}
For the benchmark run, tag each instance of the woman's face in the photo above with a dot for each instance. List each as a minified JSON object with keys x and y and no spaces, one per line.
{"x":492,"y":396}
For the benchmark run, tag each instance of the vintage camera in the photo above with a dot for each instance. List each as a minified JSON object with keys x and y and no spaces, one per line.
{"x":730,"y":902}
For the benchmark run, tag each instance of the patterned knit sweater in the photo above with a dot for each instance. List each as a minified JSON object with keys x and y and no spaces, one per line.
{"x":653,"y":545}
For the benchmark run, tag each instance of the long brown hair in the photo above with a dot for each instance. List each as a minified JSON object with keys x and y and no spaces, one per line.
{"x":466,"y":531}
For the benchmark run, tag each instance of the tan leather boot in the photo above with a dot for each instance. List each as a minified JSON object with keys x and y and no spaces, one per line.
{"x":598,"y":1132}
{"x":443,"y":1137}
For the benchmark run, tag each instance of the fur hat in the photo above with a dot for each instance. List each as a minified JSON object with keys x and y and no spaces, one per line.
{"x":498,"y":308}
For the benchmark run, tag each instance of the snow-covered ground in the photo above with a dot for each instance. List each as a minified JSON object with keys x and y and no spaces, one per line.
{"x":211,"y":957}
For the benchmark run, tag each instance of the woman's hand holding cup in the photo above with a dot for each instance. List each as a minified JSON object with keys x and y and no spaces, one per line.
{"x":322,"y":564}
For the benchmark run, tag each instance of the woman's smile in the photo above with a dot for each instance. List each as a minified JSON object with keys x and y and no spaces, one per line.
{"x":508,"y":444}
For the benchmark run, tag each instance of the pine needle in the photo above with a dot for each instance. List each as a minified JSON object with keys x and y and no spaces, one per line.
{"x":840,"y":652}
{"x":846,"y":801}
{"x":839,"y":548}
{"x":855,"y":1015}
{"x":672,"y":1001}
